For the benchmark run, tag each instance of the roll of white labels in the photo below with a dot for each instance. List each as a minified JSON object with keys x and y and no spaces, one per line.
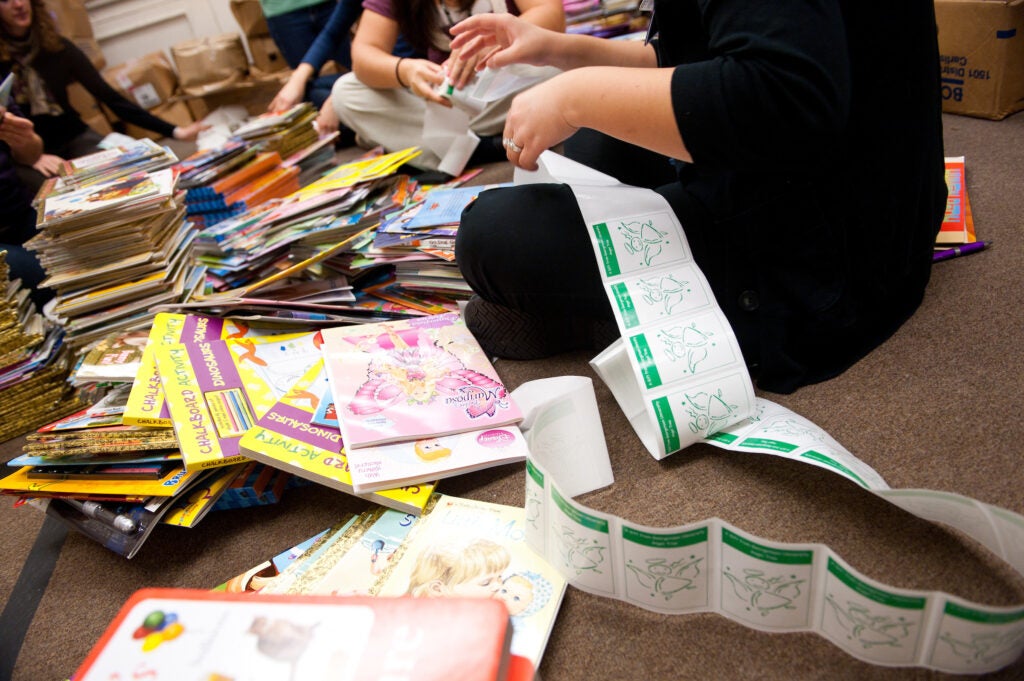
{"x":678,"y":375}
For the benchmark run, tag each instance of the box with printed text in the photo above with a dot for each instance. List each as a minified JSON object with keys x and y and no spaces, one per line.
{"x":981,"y":53}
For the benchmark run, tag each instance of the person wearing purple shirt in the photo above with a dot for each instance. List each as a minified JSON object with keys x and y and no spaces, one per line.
{"x":384,"y":99}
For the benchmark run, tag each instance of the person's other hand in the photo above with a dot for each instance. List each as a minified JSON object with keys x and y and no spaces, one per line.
{"x":536,"y":122}
{"x":461,"y":67}
{"x":188,"y":133}
{"x":327,"y":120}
{"x":423,"y":76}
{"x":48,"y":164}
{"x":502,"y":39}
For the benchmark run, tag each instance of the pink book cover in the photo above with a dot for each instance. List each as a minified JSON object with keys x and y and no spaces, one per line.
{"x":412,"y":378}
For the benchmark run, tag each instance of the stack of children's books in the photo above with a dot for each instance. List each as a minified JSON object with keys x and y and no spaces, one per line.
{"x":34,"y":362}
{"x":113,"y":250}
{"x":284,"y":132}
{"x":141,"y":155}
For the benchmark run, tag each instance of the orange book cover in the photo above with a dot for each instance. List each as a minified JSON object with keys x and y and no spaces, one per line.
{"x":956,"y":225}
{"x":167,"y":633}
{"x":266,"y":186}
{"x":260,"y":165}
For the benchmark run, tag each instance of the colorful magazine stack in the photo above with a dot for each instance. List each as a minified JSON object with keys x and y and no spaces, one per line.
{"x":114,"y":250}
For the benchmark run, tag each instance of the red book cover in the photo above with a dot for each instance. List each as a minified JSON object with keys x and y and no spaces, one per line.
{"x":179,"y":634}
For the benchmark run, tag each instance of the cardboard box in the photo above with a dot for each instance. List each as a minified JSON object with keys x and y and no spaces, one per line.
{"x":981,"y":53}
{"x":211,"y":63}
{"x":265,"y":55}
{"x":175,"y":112}
{"x":249,"y":15}
{"x":149,"y":81}
{"x":255,"y":94}
{"x":73,"y":21}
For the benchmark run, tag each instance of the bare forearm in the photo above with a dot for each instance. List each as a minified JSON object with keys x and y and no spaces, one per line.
{"x":572,"y":51}
{"x":634,"y":105}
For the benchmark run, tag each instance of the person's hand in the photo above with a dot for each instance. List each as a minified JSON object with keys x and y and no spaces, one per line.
{"x":501,"y":39}
{"x":327,"y":120}
{"x":535,"y":123}
{"x":15,"y":130}
{"x":288,"y":96}
{"x":188,"y":133}
{"x":422,"y":77}
{"x":293,"y":91}
{"x":48,"y":164}
{"x":461,"y":67}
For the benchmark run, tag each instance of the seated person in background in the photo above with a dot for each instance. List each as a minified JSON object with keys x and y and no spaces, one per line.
{"x":789,"y":150}
{"x":295,"y":24}
{"x":384,"y":99}
{"x":19,"y":144}
{"x":304,"y":84}
{"x":44,"y":64}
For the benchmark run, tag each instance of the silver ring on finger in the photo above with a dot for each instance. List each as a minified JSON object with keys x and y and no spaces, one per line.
{"x":512,"y":146}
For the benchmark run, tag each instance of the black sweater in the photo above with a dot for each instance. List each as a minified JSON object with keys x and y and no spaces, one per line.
{"x":70,"y":65}
{"x":817,"y":178}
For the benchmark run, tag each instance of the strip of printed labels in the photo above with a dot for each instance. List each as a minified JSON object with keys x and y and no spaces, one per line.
{"x":679,"y":377}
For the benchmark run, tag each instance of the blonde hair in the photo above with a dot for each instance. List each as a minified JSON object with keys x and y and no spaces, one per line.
{"x":452,"y":564}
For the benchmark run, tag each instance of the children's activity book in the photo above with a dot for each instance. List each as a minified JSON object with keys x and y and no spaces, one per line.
{"x":412,"y":379}
{"x":464,"y":547}
{"x":146,"y":405}
{"x":434,"y":458}
{"x":179,"y":634}
{"x":217,"y":389}
{"x":286,"y":437}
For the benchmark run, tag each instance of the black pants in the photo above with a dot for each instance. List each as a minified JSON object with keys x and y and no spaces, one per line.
{"x":527,"y":247}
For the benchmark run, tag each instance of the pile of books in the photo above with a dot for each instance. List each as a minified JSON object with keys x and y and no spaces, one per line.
{"x":141,"y":155}
{"x":34,"y":362}
{"x":113,"y":250}
{"x":457,"y":547}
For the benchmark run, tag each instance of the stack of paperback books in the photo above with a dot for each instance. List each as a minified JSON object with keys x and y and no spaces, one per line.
{"x":34,"y":362}
{"x":113,"y":250}
{"x":142,"y":155}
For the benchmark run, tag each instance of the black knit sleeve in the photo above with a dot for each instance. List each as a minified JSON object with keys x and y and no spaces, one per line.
{"x":86,"y":74}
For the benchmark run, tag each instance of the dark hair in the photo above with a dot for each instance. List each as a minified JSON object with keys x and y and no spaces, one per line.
{"x":418,"y":20}
{"x":43,"y":27}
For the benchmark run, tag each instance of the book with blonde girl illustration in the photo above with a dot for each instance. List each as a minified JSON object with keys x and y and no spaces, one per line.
{"x":475,"y":549}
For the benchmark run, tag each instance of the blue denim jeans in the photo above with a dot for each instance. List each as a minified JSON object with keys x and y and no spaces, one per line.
{"x":294,"y":32}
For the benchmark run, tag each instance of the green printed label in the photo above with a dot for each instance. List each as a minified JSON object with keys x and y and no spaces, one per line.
{"x":666,"y":541}
{"x":645,"y":361}
{"x":534,"y":473}
{"x":765,"y":443}
{"x":579,"y":517}
{"x":624,"y":301}
{"x":874,"y":593}
{"x":724,"y":438}
{"x":982,"y":616}
{"x":832,"y":463}
{"x":667,"y":424}
{"x":766,"y":553}
{"x":607,"y":250}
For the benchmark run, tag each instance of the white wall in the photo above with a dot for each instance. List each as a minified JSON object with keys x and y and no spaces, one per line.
{"x":126,"y":29}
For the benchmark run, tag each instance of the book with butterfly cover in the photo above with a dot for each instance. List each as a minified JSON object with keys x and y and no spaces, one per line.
{"x":412,"y":379}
